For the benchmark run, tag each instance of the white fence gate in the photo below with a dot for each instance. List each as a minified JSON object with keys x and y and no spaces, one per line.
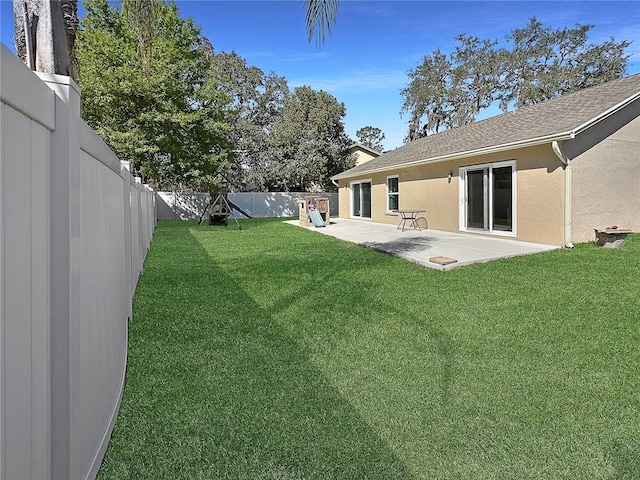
{"x":74,"y":231}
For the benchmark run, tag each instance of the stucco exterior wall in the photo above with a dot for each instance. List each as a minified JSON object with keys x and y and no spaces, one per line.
{"x":540,"y":187}
{"x":362,"y":157}
{"x":606,"y":176}
{"x":427,"y":187}
{"x":344,"y":200}
{"x":539,"y":193}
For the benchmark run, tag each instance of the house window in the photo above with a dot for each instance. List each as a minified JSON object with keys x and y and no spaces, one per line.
{"x":393,"y":199}
{"x":488,"y":198}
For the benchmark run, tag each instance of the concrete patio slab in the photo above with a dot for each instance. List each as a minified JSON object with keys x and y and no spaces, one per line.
{"x":421,"y":246}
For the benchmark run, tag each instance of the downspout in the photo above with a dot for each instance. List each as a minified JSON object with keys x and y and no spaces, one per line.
{"x":555,"y":145}
{"x":335,"y":183}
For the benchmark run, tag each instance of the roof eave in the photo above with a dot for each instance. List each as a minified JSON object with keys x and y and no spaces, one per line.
{"x":369,"y":150}
{"x":470,"y":153}
{"x":619,"y":106}
{"x":500,"y":148}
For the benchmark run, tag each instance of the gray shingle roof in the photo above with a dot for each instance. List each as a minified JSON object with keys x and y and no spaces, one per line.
{"x":556,"y":119}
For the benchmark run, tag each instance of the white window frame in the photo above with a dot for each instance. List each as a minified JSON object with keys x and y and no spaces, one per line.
{"x":462,"y":189}
{"x":390,"y":194}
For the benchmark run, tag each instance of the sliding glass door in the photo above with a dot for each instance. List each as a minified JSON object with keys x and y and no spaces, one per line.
{"x":502,"y":194}
{"x":477,"y":199}
{"x":361,"y":199}
{"x":488,"y":198}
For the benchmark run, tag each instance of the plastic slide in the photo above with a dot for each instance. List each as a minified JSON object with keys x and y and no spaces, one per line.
{"x":316,"y":218}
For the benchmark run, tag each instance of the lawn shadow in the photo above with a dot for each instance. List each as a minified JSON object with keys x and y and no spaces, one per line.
{"x":297,"y":420}
{"x":280,"y":356}
{"x":233,"y":395}
{"x":438,"y":341}
{"x":412,"y":342}
{"x":625,"y":461}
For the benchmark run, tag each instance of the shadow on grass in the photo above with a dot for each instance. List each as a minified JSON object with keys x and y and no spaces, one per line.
{"x":625,"y":461}
{"x":276,"y":353}
{"x":217,"y":389}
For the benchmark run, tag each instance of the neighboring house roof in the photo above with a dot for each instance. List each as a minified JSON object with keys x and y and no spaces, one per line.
{"x":359,"y":146}
{"x":560,"y":118}
{"x":363,"y":153}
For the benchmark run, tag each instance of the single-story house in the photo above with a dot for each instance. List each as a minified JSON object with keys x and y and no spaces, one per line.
{"x":363,"y":153}
{"x":548,"y":173}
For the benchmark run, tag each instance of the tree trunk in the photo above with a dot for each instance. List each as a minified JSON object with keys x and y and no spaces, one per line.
{"x":45,"y":34}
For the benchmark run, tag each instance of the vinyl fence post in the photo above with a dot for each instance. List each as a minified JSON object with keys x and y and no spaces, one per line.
{"x":65,"y":232}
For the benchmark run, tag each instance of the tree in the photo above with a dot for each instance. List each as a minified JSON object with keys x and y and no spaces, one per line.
{"x":448,"y":91}
{"x":131,"y":97}
{"x":258,"y":100}
{"x":140,"y":15}
{"x":45,"y":30}
{"x":427,"y":97}
{"x":284,"y":141}
{"x":475,"y":77}
{"x":45,"y":34}
{"x":546,"y":63}
{"x":170,"y":119}
{"x":372,"y":137}
{"x":321,"y":15}
{"x":308,"y":142}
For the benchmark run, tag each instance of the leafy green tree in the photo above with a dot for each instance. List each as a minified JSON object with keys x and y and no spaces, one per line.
{"x":308,"y":142}
{"x":427,"y":97}
{"x":448,"y":91}
{"x":372,"y":137}
{"x":284,"y":141}
{"x":140,"y":15}
{"x":191,"y":118}
{"x":546,"y":63}
{"x":258,"y":100}
{"x":476,"y":75}
{"x":170,"y":119}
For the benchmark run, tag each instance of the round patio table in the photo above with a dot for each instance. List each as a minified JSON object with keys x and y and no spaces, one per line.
{"x":410,"y":216}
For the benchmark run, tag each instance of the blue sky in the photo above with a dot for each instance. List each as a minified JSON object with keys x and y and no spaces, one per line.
{"x":365,"y":61}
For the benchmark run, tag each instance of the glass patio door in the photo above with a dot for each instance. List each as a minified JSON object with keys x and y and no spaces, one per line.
{"x":488,"y":197}
{"x":361,"y":199}
{"x":502,"y":196}
{"x":477,"y":199}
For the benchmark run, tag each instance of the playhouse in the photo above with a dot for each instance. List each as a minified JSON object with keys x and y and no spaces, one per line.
{"x":314,"y":203}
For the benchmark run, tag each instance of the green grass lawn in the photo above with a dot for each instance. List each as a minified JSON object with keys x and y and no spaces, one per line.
{"x":278,"y":353}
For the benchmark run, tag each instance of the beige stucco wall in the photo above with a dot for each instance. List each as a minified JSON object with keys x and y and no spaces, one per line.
{"x":604,"y":179}
{"x":362,"y":156}
{"x":606,"y":176}
{"x":539,"y":187}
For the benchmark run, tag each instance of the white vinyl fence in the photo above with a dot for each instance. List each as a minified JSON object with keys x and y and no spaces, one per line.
{"x":190,"y":205}
{"x":74,"y":231}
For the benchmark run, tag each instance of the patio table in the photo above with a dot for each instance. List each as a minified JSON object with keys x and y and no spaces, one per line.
{"x":411,"y":216}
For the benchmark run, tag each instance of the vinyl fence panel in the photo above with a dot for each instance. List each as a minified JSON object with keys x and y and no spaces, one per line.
{"x":75,"y":228}
{"x":189,"y":205}
{"x":24,"y":275}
